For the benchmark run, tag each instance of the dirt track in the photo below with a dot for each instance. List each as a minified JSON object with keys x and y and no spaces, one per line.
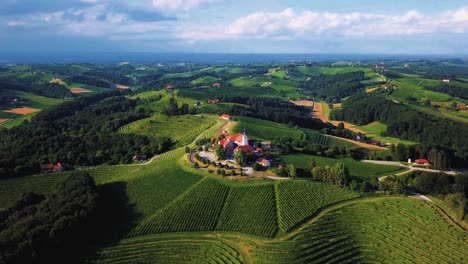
{"x":3,"y":120}
{"x":318,"y":113}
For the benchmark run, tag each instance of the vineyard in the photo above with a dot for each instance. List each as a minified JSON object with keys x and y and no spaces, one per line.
{"x":320,"y":139}
{"x":299,"y":200}
{"x":160,"y":126}
{"x":197,"y":210}
{"x":371,"y":230}
{"x":157,"y":249}
{"x":262,"y":129}
{"x":250,"y":210}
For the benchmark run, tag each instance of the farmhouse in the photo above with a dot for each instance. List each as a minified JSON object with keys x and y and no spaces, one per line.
{"x":422,"y":161}
{"x":49,"y":167}
{"x":462,"y":107}
{"x":213,"y":101}
{"x":216,"y":84}
{"x":264,"y":162}
{"x":226,"y":116}
{"x":169,"y":87}
{"x":446,"y":80}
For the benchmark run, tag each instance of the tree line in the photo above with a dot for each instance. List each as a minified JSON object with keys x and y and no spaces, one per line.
{"x":404,"y":122}
{"x":334,"y":87}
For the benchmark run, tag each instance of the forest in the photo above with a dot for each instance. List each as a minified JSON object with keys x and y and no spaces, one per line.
{"x":54,"y":228}
{"x":406,"y":123}
{"x":333,"y":88}
{"x":82,"y":132}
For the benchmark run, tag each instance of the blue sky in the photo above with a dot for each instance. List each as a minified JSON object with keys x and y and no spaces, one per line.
{"x":242,"y":26}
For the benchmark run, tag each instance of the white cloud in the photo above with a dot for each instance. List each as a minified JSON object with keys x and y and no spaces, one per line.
{"x":174,"y":5}
{"x":309,"y":24}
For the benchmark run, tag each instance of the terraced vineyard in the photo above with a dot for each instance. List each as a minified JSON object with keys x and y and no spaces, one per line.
{"x":298,"y":200}
{"x":154,"y":249}
{"x":197,"y":210}
{"x":160,"y":126}
{"x":250,"y":210}
{"x":390,"y":230}
{"x":321,"y":139}
{"x":371,"y":230}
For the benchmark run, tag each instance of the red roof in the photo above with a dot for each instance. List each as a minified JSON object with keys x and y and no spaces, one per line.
{"x":461,"y":106}
{"x":267,"y":142}
{"x":264,"y":162}
{"x":169,"y":86}
{"x":58,"y":166}
{"x":224,"y":142}
{"x":226,"y":116}
{"x":213,"y":101}
{"x":216,"y":84}
{"x":47,"y":166}
{"x":247,"y":148}
{"x":422,"y":161}
{"x":259,"y":149}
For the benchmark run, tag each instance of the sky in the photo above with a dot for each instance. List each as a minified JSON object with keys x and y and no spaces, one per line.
{"x":235,"y":26}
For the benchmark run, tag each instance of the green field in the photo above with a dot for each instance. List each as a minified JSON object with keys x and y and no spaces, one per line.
{"x":374,"y":131}
{"x":159,"y":126}
{"x":414,"y":87}
{"x":207,"y":80}
{"x":357,"y":169}
{"x":278,"y":73}
{"x":262,"y":129}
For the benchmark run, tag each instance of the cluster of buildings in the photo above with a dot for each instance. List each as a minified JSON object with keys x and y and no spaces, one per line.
{"x":241,"y":142}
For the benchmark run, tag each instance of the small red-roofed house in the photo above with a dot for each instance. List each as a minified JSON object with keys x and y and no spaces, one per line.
{"x":264,"y":162}
{"x":461,"y":107}
{"x":259,"y":150}
{"x":59,"y":167}
{"x":169,"y":87}
{"x":226,"y":116}
{"x":213,"y":101}
{"x":216,"y":84}
{"x":422,"y":161}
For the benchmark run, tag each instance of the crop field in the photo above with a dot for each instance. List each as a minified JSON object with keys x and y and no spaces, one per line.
{"x":262,"y":129}
{"x":22,"y":110}
{"x":357,"y":169}
{"x":92,"y":89}
{"x":160,"y":126}
{"x":299,"y":200}
{"x":78,"y":90}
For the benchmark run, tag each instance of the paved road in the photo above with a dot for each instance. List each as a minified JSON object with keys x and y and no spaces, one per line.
{"x":410,"y":168}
